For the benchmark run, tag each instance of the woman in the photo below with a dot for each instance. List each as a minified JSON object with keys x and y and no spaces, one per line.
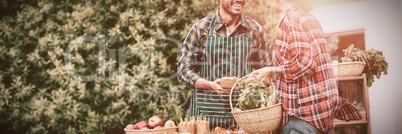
{"x":304,"y":77}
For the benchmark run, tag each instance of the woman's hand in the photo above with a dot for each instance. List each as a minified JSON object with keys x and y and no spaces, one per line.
{"x":266,"y":74}
{"x":263,"y":74}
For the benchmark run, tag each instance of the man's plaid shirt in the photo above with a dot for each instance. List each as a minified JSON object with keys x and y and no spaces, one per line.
{"x":195,"y":42}
{"x":307,"y":86}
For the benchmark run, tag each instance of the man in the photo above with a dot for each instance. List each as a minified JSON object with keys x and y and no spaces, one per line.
{"x":224,"y":44}
{"x":305,"y":81}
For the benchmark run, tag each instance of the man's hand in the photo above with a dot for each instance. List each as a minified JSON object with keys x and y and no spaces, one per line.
{"x":211,"y":85}
{"x":219,"y":89}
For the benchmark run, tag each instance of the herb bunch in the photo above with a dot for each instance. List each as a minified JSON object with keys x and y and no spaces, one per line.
{"x":255,"y":94}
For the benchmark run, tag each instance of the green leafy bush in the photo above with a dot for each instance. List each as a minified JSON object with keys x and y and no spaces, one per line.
{"x":267,"y":18}
{"x":38,"y":94}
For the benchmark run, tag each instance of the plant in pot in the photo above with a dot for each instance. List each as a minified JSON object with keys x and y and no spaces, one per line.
{"x":375,"y":64}
{"x":352,"y":64}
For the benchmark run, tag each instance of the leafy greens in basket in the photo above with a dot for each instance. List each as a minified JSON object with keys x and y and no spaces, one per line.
{"x":374,"y":59}
{"x":255,"y":94}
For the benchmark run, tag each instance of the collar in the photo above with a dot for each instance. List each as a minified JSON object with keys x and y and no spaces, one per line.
{"x":292,"y":9}
{"x":288,"y":12}
{"x":219,"y":23}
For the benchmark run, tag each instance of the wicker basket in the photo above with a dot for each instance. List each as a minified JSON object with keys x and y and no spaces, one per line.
{"x":257,"y":120}
{"x":348,"y":69}
{"x":153,"y":131}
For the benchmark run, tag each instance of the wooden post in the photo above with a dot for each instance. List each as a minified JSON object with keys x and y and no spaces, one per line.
{"x":366,"y":102}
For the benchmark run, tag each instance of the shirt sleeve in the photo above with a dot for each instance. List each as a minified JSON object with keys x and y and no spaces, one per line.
{"x":347,"y":111}
{"x":261,"y":56}
{"x":301,"y":50}
{"x":187,"y":73}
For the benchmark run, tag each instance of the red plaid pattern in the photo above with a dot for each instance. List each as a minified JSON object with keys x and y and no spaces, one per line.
{"x":307,"y":86}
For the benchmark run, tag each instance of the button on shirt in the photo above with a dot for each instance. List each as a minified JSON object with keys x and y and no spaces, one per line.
{"x":228,"y":32}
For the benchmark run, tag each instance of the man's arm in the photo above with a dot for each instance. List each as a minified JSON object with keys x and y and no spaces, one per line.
{"x":186,"y":69}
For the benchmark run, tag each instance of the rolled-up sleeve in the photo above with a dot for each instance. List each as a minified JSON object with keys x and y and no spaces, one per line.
{"x":187,"y":73}
{"x":301,"y":62}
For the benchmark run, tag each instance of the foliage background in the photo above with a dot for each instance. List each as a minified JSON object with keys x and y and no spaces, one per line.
{"x":37,"y":95}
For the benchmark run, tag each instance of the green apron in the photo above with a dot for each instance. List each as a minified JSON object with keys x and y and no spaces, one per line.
{"x":222,"y":57}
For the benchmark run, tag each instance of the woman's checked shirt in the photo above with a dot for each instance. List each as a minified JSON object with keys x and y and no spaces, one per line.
{"x":307,"y":85}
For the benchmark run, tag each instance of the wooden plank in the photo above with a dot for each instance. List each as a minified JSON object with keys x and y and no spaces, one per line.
{"x":344,"y":123}
{"x":364,"y":98}
{"x":366,"y":102}
{"x":350,"y":78}
{"x":351,"y":91}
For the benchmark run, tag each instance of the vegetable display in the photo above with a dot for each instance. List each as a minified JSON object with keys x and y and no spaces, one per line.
{"x":155,"y":122}
{"x":202,"y":125}
{"x":188,"y":125}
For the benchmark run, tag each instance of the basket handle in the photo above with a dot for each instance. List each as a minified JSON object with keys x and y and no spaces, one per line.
{"x":231,"y":91}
